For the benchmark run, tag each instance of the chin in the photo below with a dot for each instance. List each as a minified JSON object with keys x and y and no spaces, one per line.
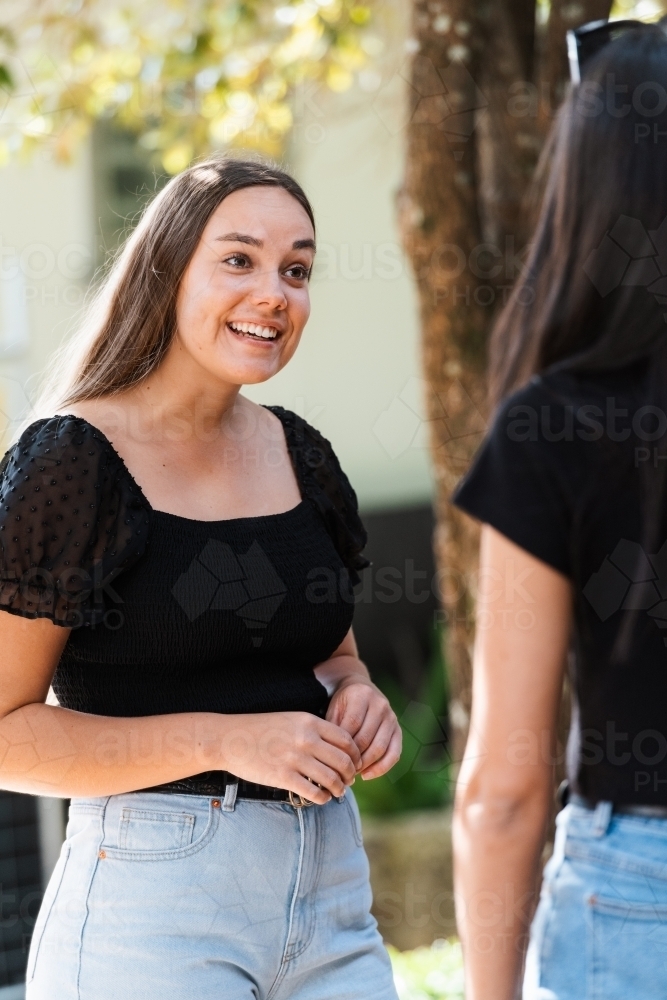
{"x":246,"y":374}
{"x":255,"y":378}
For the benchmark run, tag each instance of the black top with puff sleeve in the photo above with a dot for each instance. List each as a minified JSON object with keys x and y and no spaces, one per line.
{"x":169,"y":614}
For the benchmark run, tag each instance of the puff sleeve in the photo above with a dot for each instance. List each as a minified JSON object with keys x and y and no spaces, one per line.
{"x":71,"y":519}
{"x":326,"y":486}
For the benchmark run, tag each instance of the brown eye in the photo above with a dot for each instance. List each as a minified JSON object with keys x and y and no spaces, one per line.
{"x":237,"y":260}
{"x":299,"y":272}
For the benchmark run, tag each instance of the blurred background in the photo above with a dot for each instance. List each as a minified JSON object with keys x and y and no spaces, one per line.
{"x":394,"y":116}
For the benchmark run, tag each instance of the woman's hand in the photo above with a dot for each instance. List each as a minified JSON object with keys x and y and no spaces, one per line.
{"x":361,"y":710}
{"x":293,"y":750}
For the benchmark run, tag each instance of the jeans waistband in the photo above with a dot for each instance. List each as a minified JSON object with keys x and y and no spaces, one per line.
{"x":645,"y":811}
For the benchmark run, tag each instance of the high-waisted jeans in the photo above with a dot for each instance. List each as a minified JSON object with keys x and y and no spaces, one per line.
{"x":600,"y":931}
{"x":170,"y":897}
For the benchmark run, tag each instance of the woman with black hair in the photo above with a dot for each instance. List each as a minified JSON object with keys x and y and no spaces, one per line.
{"x":570,"y":488}
{"x":165,"y":547}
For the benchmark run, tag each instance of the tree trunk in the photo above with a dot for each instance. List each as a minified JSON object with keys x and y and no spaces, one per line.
{"x":473,"y":139}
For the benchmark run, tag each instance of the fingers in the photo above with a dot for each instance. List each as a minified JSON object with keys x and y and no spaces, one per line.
{"x":337,"y":737}
{"x":387,"y":761}
{"x":360,"y":709}
{"x":307,"y":790}
{"x":376,"y":715}
{"x":327,"y":777}
{"x":384,"y":751}
{"x":350,"y":709}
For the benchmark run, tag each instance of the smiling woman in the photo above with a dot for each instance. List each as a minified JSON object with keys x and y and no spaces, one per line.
{"x":159,"y":535}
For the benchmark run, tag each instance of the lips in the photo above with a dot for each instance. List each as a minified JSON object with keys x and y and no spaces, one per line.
{"x":254,"y":330}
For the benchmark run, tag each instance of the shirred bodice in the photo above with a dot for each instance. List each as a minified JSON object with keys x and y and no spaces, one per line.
{"x":169,"y":614}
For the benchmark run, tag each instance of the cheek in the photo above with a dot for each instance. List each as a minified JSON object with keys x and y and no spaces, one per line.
{"x":199,"y":308}
{"x":300,"y":309}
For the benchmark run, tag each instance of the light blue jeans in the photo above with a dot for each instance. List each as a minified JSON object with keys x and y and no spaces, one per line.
{"x":600,"y":931}
{"x":175,"y":897}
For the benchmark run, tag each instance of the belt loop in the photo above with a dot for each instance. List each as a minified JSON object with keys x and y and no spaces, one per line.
{"x":602,"y":818}
{"x":229,"y":800}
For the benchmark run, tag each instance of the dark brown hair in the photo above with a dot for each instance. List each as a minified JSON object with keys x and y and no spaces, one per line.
{"x":606,"y":167}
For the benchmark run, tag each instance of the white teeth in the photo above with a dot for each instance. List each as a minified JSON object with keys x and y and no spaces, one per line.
{"x":266,"y":332}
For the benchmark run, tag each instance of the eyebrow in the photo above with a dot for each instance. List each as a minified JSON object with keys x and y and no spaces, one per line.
{"x":254,"y":242}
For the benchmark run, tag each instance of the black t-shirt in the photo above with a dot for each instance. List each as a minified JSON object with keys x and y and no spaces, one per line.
{"x":565,"y":473}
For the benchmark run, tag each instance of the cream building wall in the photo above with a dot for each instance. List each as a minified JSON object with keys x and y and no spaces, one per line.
{"x":46,"y":240}
{"x":356,"y":374}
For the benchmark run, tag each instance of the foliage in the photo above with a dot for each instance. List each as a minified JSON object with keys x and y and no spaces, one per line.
{"x":434,"y":973}
{"x":423,"y":778}
{"x":188,"y":75}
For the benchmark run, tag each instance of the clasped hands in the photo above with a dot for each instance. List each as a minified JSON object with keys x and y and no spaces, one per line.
{"x":313,"y":757}
{"x":367,"y":731}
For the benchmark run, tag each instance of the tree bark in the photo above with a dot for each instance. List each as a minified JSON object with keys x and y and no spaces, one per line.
{"x":565,"y":15}
{"x":472,"y":146}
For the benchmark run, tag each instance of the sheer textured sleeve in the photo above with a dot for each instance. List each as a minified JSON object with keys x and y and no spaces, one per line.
{"x":326,"y":486}
{"x":71,"y":519}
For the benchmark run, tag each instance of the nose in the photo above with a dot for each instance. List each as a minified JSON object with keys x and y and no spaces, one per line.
{"x":268,"y":290}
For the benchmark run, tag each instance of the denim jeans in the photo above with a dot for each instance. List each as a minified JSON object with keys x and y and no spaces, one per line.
{"x":600,"y":931}
{"x":180,"y":896}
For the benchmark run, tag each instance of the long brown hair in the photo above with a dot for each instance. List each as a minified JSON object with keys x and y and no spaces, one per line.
{"x":132,"y":318}
{"x":605,"y":172}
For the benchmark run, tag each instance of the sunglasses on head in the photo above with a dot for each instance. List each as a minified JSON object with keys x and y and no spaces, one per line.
{"x":585,"y":42}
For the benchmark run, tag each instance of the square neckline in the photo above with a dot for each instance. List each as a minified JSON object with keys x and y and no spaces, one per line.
{"x":180,"y":517}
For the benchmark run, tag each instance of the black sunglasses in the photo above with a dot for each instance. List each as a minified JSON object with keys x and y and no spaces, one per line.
{"x":585,"y":42}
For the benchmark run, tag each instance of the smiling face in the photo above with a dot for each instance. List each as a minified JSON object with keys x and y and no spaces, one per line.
{"x":243,"y":301}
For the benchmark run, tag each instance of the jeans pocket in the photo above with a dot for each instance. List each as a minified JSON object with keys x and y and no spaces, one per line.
{"x":150,"y":830}
{"x":50,"y":896}
{"x":629,"y":949}
{"x":355,"y":818}
{"x":159,"y":834}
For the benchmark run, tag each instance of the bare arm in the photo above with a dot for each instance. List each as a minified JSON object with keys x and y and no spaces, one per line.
{"x":506,"y":779}
{"x":47,"y":750}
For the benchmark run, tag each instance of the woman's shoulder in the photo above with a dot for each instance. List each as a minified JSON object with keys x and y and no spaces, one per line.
{"x":51,"y":443}
{"x":325,"y":484}
{"x":556,"y":409}
{"x":574,"y":389}
{"x":557,"y":389}
{"x":314,"y":457}
{"x":302,"y":436}
{"x":69,"y":514}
